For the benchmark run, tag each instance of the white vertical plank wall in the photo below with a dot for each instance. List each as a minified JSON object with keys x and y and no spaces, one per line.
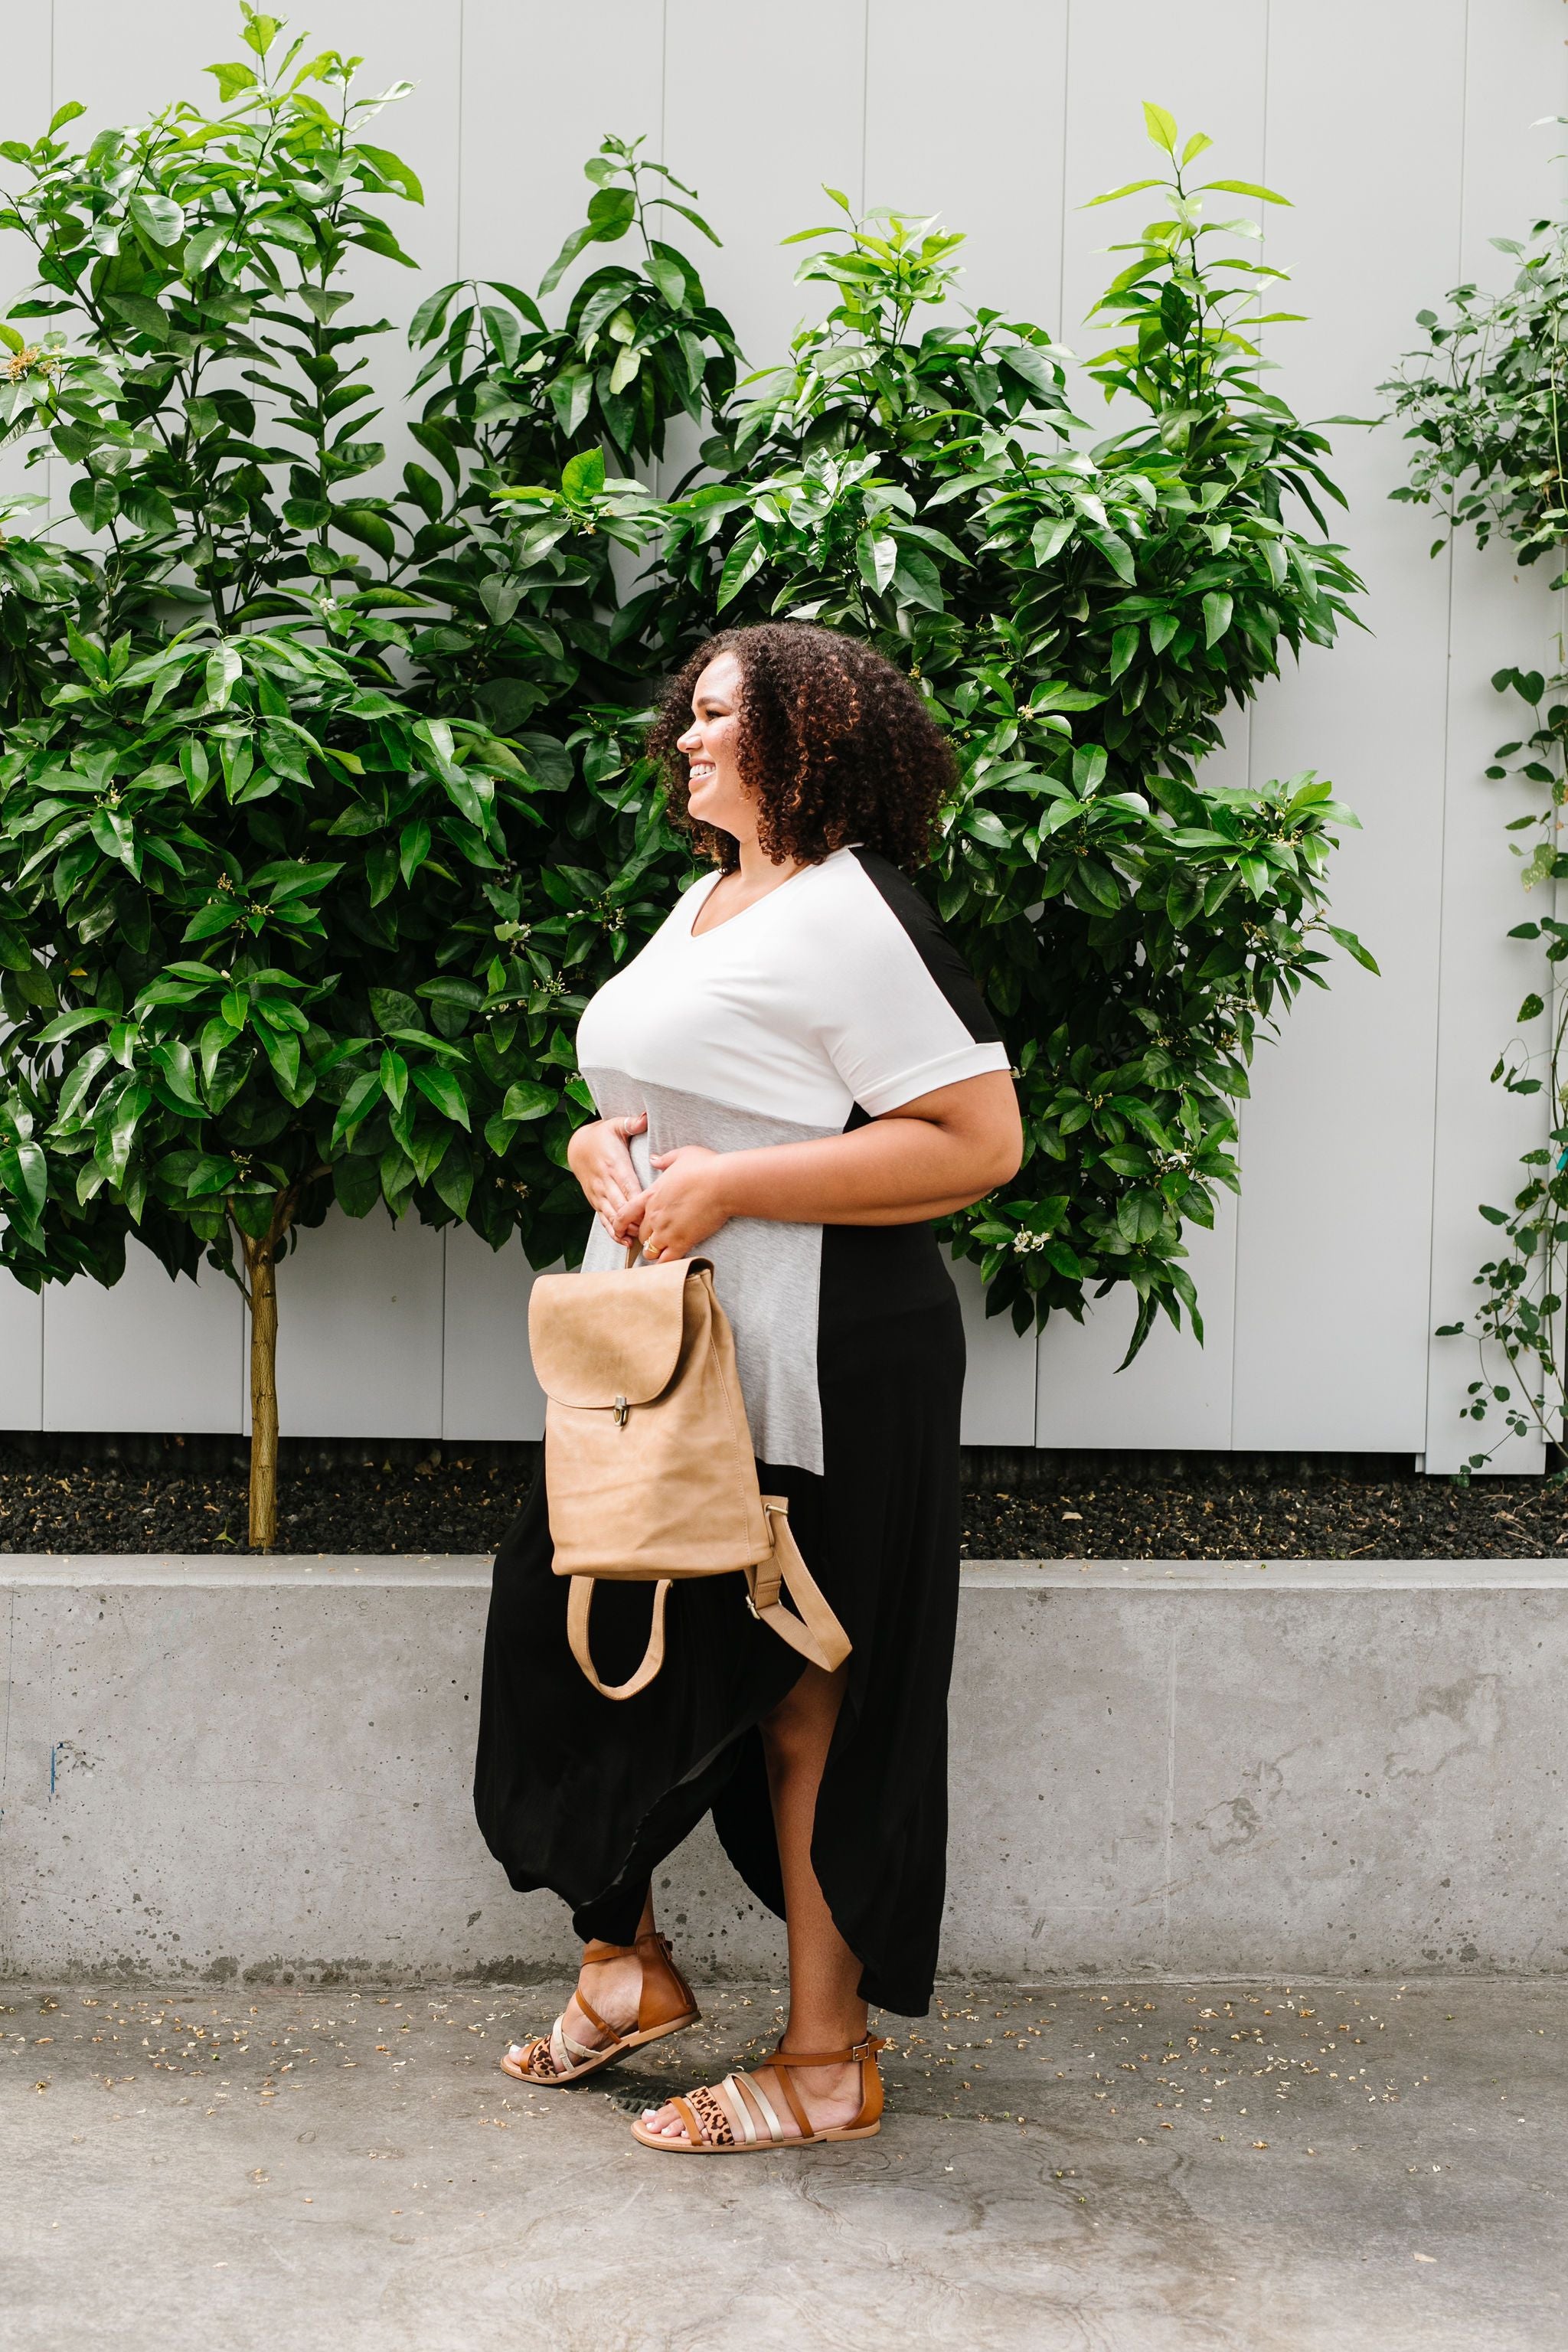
{"x":1328,"y":1191}
{"x":1403,"y":132}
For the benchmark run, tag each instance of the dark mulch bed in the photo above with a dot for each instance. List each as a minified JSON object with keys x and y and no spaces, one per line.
{"x":165,"y":1495}
{"x":74,"y":1493}
{"x":1217,"y":1511}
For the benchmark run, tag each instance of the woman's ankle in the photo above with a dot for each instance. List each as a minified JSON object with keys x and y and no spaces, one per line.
{"x":836,"y":2037}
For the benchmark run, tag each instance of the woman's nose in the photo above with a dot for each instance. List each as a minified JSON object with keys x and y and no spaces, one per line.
{"x":691,"y":741}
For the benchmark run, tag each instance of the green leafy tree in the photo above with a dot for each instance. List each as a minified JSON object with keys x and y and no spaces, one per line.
{"x":253,"y":962}
{"x":262,"y":943}
{"x":1081,"y":620}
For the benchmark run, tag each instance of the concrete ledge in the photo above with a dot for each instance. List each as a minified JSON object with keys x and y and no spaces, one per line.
{"x":471,"y":1570}
{"x":229,"y":1767}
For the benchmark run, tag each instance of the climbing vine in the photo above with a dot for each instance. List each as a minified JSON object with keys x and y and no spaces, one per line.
{"x":1485,"y":398}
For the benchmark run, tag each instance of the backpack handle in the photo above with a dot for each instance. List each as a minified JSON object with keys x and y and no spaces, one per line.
{"x":578,"y":1605}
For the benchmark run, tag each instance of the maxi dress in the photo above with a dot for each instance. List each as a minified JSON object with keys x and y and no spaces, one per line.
{"x":831,"y":1001}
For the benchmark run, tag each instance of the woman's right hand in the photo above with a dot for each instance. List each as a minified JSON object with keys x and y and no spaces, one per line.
{"x":598,"y":1157}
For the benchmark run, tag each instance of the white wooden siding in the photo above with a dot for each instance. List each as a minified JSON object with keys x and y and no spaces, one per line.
{"x":1404,"y":133}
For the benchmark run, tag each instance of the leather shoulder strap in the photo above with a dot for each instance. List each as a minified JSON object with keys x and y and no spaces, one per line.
{"x":816,"y":1632}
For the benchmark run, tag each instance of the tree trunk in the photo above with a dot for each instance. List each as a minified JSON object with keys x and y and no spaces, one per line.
{"x":261,"y":1274}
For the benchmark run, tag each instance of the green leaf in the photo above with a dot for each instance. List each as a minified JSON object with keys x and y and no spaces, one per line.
{"x":356,"y":1184}
{"x":371,"y":530}
{"x":24,"y":1173}
{"x":611,"y":211}
{"x":392,"y":1009}
{"x":1160,"y":126}
{"x":1054,"y":697}
{"x":231,"y":81}
{"x":393,"y":1075}
{"x":1033,"y":366}
{"x":413,"y":848}
{"x":745,"y":558}
{"x":359,"y":1101}
{"x":66,"y":1024}
{"x":223,"y":672}
{"x":440,"y":1088}
{"x":208,"y":922}
{"x":1116,"y":551}
{"x":159,"y":217}
{"x":876,"y":554}
{"x":916,"y":580}
{"x":583,"y":475}
{"x":1216,"y":615}
{"x":393,"y":170}
{"x":1128,"y":188}
{"x":454,"y":1179}
{"x":528,"y":1099}
{"x":431,"y":316}
{"x":1248,"y":188}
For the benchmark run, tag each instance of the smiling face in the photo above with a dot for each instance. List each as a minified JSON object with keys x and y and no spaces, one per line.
{"x":715,"y":793}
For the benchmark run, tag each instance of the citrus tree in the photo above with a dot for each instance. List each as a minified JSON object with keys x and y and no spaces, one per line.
{"x":262,"y":944}
{"x":1081,"y":619}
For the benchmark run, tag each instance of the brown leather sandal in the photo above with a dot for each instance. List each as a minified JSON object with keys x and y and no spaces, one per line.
{"x":666,"y":2004}
{"x":738,"y":2118}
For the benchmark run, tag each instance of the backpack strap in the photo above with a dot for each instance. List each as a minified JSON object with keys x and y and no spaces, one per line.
{"x":579,"y":1603}
{"x":816,"y":1632}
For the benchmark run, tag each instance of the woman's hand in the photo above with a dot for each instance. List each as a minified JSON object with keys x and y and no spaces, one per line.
{"x":598,"y":1157}
{"x":683,"y":1209}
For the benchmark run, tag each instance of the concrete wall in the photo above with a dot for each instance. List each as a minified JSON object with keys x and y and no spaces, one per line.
{"x":1402,"y":132}
{"x":216,"y":1768}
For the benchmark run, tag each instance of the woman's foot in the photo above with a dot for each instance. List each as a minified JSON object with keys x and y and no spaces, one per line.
{"x":624,"y":1996}
{"x":773,"y":2106}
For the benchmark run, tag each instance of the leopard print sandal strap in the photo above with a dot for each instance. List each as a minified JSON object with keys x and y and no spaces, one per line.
{"x":739,"y":2117}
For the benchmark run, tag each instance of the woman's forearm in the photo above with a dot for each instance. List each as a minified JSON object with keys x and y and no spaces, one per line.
{"x":895,"y":1171}
{"x":932,"y":1155}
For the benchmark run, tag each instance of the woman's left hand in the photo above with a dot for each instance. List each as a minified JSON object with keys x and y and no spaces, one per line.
{"x":675,"y":1217}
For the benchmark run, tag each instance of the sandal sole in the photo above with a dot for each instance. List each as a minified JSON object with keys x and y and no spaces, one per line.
{"x":754,"y":2147}
{"x":602,"y":2058}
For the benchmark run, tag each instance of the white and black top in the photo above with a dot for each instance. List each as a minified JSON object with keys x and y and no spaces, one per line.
{"x":834,"y":999}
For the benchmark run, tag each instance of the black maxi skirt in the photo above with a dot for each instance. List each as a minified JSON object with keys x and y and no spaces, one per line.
{"x":588,"y":1795}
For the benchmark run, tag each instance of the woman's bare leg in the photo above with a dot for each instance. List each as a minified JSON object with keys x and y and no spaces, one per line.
{"x":826,"y":2012}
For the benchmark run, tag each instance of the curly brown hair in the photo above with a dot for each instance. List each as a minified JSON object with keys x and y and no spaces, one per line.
{"x":834,"y":742}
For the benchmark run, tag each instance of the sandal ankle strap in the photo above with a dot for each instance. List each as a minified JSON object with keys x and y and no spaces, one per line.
{"x":864,"y":2049}
{"x":598,"y":1949}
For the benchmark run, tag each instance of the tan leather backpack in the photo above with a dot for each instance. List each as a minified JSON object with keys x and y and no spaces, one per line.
{"x":649,"y":1468}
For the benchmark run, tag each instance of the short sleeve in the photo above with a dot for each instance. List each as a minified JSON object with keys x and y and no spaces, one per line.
{"x":901,"y":1014}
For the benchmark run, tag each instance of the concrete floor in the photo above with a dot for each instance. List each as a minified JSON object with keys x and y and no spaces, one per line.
{"x":1161,"y":2167}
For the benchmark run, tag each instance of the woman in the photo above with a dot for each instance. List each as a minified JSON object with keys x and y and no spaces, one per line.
{"x":792,"y":1078}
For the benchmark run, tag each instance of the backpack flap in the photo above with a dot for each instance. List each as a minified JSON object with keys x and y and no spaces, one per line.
{"x":599,"y":1339}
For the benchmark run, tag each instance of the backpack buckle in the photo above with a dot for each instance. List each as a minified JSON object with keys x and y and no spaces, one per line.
{"x":622,"y":1409}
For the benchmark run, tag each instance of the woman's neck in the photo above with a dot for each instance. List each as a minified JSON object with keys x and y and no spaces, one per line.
{"x":758,"y":872}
